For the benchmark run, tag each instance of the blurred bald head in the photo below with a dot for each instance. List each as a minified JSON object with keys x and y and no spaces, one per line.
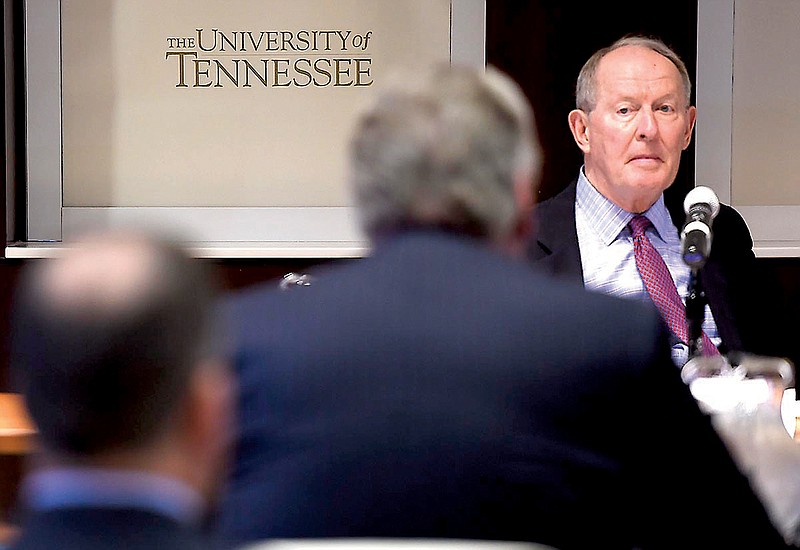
{"x":108,"y":276}
{"x":107,"y":337}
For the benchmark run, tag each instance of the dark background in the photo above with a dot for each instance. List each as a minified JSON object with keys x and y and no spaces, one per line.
{"x":542,"y":44}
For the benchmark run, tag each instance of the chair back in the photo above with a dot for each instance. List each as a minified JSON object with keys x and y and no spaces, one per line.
{"x":392,"y":544}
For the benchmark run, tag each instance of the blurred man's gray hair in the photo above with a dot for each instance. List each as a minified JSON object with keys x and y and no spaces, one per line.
{"x":444,"y":148}
{"x":586,"y":87}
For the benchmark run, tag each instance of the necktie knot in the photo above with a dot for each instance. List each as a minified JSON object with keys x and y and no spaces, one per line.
{"x":639,"y":226}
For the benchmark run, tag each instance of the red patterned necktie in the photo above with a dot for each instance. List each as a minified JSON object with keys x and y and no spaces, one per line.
{"x":660,"y":286}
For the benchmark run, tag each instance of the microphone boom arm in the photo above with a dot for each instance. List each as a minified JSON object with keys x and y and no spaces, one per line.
{"x":695,"y":313}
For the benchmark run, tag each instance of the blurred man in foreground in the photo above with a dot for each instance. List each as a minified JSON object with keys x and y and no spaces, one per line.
{"x":443,"y":389}
{"x":114,"y":351}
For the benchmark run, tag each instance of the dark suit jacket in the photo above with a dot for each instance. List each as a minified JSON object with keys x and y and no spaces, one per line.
{"x":99,"y":528}
{"x":741,"y":297}
{"x":438,"y":389}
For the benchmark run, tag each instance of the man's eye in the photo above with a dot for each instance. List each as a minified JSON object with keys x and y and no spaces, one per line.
{"x":666,"y":108}
{"x":623,"y":110}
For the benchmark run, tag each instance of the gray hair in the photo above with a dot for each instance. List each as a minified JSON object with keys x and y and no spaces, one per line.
{"x":585,"y":90}
{"x":443,"y":148}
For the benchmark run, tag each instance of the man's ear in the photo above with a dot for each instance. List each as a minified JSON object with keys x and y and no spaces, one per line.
{"x":522,"y":230}
{"x":209,"y":420}
{"x":579,"y":126}
{"x":691,"y":118}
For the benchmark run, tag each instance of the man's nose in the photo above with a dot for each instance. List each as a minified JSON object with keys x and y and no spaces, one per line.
{"x":647,"y":125}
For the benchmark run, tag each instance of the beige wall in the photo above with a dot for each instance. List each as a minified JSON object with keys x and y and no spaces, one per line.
{"x":136,"y":133}
{"x":765,"y":160}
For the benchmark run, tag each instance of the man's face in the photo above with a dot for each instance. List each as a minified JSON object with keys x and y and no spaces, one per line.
{"x":632,"y":140}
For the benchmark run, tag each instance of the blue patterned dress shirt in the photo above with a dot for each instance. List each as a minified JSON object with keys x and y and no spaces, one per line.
{"x":606,"y":250}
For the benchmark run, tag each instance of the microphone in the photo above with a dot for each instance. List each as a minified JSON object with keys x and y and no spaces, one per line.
{"x":701,"y":206}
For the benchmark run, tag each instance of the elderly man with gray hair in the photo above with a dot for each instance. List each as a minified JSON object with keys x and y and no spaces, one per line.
{"x":442,"y":388}
{"x":611,"y":229}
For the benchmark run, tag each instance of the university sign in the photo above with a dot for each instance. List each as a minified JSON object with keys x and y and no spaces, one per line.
{"x":319,"y":58}
{"x":229,"y":105}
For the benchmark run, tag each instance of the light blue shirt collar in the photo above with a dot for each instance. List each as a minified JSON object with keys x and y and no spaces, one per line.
{"x":609,"y":220}
{"x":93,"y":487}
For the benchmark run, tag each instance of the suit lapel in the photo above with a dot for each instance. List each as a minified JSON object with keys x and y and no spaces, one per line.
{"x":555,"y":248}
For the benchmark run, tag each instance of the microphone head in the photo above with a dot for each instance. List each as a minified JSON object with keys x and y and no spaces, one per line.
{"x":702,"y":195}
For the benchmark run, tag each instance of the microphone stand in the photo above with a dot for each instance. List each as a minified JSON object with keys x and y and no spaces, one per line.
{"x":695,"y":313}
